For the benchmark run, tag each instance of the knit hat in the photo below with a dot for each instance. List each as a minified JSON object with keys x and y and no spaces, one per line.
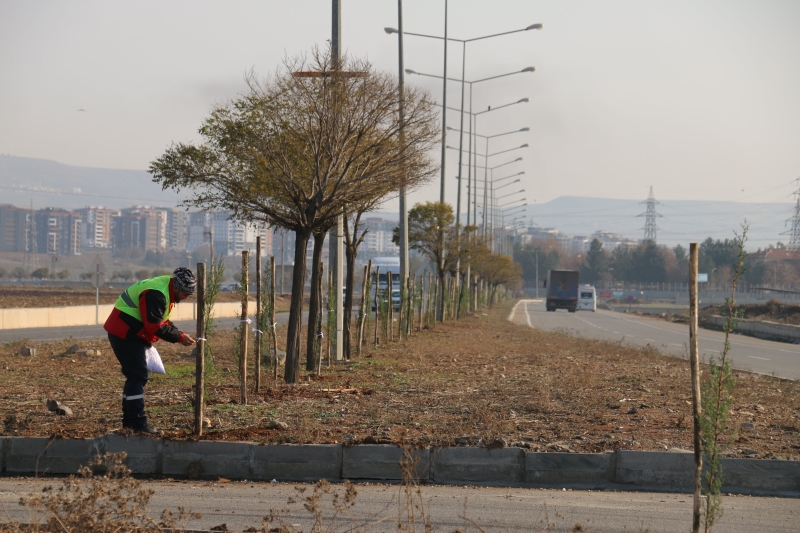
{"x":184,"y":280}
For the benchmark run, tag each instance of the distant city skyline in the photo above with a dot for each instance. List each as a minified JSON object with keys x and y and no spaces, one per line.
{"x":697,"y":99}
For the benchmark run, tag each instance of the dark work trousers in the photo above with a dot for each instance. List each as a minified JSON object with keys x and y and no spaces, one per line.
{"x":134,"y":367}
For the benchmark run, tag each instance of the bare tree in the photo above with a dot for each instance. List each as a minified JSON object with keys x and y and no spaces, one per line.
{"x":301,"y":146}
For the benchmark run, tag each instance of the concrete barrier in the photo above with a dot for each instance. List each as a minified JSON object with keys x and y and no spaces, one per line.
{"x":587,"y":470}
{"x":144,"y":454}
{"x":307,"y":462}
{"x":760,"y":476}
{"x":651,"y":470}
{"x":382,"y":461}
{"x":5,"y":442}
{"x":39,"y":456}
{"x":207,"y":459}
{"x":478,"y":465}
{"x":761,"y":328}
{"x":84,"y":315}
{"x":623,"y":470}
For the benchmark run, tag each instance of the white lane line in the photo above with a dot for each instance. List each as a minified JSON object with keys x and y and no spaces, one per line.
{"x":650,"y":340}
{"x":616,"y":332}
{"x":760,"y":358}
{"x":675,"y":344}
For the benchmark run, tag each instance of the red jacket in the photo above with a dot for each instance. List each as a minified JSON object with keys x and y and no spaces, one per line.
{"x":153,"y":307}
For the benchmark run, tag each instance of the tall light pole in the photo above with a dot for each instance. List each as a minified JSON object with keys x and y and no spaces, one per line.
{"x":487,"y":168}
{"x":403,"y":223}
{"x":336,"y":246}
{"x":463,"y":83}
{"x":469,"y":149}
{"x":464,"y":42}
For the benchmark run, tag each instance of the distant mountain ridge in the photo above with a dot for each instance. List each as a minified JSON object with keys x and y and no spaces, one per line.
{"x":52,"y":184}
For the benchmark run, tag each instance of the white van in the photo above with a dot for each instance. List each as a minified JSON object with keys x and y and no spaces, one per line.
{"x":587,"y":298}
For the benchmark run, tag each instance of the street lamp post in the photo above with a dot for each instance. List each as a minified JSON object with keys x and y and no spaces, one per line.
{"x":487,"y":168}
{"x":464,"y":42}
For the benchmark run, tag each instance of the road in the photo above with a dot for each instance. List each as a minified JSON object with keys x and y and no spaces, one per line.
{"x":91,"y":332}
{"x":747,"y":353}
{"x":243,"y":504}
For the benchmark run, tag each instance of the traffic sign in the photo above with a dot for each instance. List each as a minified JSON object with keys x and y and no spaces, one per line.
{"x":98,"y":272}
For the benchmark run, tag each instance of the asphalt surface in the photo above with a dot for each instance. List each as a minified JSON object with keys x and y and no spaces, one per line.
{"x":747,"y":353}
{"x":91,"y":332}
{"x":243,"y":504}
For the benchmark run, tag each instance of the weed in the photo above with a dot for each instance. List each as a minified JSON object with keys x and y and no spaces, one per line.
{"x":718,"y":400}
{"x":111,"y":502}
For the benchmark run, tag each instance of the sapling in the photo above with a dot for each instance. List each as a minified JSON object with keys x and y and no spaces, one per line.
{"x":718,"y":398}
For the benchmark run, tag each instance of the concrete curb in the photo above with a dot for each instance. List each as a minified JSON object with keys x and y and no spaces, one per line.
{"x":621,"y":470}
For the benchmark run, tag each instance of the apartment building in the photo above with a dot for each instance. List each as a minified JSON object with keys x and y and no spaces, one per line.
{"x":13,"y":228}
{"x":58,"y":231}
{"x":97,"y":224}
{"x":141,"y":227}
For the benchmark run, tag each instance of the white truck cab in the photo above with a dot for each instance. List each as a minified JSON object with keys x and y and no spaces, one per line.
{"x":587,"y":298}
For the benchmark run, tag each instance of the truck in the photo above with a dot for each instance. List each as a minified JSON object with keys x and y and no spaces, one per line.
{"x":562,"y":290}
{"x":387,"y":264}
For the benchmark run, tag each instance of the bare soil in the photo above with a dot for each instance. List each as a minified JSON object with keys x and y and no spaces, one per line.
{"x":478,"y":381}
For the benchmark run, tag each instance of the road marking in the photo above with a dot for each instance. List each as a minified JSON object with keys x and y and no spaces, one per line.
{"x":617,"y":332}
{"x":650,"y":340}
{"x":761,"y":358}
{"x":675,"y":344}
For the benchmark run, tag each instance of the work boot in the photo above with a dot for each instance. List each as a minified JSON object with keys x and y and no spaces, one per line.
{"x":147,"y":430}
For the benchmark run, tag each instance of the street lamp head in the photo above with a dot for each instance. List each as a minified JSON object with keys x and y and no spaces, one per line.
{"x":529,"y":69}
{"x":409,"y":71}
{"x":524,"y":145}
{"x":451,"y":128}
{"x":392,"y":30}
{"x":525,"y":129}
{"x":537,"y":26}
{"x":522,"y":100}
{"x":518,"y":159}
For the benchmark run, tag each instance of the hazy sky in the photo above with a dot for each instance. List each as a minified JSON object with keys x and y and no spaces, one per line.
{"x":700,"y":99}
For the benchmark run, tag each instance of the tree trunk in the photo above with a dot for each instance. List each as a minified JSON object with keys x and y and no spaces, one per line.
{"x":296,"y":307}
{"x":350,"y":256}
{"x":314,"y":302}
{"x":440,"y":298}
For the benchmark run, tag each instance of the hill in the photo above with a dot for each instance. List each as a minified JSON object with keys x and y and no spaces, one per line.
{"x":52,"y":184}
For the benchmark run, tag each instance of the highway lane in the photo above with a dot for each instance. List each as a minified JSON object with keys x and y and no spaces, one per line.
{"x":242,"y":504}
{"x":91,"y":332}
{"x":747,"y":353}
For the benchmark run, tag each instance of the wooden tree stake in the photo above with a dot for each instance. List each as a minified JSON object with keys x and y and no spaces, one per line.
{"x":244,"y":324}
{"x":258,"y":333}
{"x":694,"y":360}
{"x":200,"y":360}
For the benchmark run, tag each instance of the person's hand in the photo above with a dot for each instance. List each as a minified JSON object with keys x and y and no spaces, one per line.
{"x":186,"y":340}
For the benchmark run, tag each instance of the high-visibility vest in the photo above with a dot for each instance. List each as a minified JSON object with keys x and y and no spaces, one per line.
{"x":128,"y":301}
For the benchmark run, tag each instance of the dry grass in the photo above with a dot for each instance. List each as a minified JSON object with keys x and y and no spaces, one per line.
{"x":480,"y":381}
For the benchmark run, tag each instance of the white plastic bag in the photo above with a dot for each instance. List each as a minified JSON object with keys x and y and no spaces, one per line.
{"x":154,"y":363}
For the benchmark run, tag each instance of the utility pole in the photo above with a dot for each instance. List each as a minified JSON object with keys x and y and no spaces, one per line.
{"x":403,"y":223}
{"x":444,"y":107}
{"x":336,"y":245}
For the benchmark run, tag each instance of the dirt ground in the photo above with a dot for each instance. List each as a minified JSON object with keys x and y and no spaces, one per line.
{"x":479,"y":381}
{"x":12,"y":296}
